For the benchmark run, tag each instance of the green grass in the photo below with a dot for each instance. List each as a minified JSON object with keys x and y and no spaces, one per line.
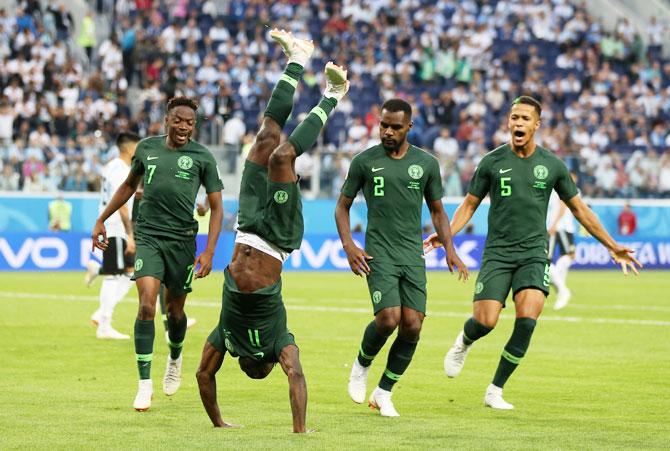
{"x":597,"y":374}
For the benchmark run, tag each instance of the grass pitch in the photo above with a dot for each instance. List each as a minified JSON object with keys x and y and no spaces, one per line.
{"x":597,"y":374}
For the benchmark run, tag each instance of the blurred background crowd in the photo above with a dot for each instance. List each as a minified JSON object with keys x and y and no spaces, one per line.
{"x":68,"y":89}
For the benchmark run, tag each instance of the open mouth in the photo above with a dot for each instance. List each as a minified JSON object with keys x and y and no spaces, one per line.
{"x":519,"y":134}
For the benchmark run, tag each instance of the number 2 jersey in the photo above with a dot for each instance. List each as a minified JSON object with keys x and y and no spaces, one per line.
{"x":172,"y":178}
{"x":519,"y":189}
{"x":394,"y":191}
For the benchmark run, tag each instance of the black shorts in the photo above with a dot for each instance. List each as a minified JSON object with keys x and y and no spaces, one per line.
{"x":564,"y":241}
{"x":114,"y":258}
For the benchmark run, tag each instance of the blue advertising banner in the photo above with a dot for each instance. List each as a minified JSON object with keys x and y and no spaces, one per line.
{"x":71,"y":251}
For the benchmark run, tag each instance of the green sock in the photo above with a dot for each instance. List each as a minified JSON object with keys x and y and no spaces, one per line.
{"x":305,"y":134}
{"x":372,"y":343}
{"x":144,"y":344}
{"x":281,"y":101}
{"x":176,"y":335}
{"x":400,"y":356}
{"x":161,"y":301}
{"x":473,"y":330}
{"x":514,"y":350}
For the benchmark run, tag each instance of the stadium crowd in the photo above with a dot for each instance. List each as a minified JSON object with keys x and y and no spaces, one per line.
{"x":606,"y":93}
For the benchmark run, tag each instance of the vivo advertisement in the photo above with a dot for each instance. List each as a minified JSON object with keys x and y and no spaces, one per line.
{"x":71,"y":251}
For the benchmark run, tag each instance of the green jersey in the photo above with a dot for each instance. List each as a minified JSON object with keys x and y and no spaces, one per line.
{"x":519,"y":189}
{"x":172,"y":178}
{"x":394,"y":191}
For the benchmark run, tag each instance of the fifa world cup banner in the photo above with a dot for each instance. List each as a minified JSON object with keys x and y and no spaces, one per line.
{"x":71,"y":251}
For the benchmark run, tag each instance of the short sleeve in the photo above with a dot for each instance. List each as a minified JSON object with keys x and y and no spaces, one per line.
{"x":481,"y":180}
{"x":433,"y":190}
{"x":137,"y":163}
{"x":210,"y":177}
{"x":354,"y":181}
{"x":565,"y":186}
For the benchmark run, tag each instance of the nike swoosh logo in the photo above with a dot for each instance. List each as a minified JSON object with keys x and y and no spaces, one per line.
{"x":376,"y":169}
{"x":506,"y":170}
{"x":152,"y":158}
{"x":260,"y":354}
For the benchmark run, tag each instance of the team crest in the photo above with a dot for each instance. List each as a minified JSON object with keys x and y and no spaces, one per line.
{"x":185,"y":162}
{"x":229,"y":345}
{"x":281,"y":196}
{"x":377,"y":296}
{"x":138,"y":264}
{"x":479,"y":287}
{"x":540,"y":172}
{"x":415,"y":171}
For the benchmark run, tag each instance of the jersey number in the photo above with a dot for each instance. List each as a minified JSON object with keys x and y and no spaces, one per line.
{"x":152,"y":169}
{"x":379,"y":185}
{"x":254,"y":338}
{"x":189,"y":268}
{"x":505,"y":188}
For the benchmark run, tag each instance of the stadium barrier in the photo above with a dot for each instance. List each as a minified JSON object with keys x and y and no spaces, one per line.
{"x":71,"y":251}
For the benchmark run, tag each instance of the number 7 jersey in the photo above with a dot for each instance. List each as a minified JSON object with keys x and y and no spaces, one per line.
{"x":394,"y":191}
{"x":519,"y":189}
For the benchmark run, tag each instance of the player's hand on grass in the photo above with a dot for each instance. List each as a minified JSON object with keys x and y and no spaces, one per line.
{"x":453,"y":261}
{"x":624,"y":257}
{"x":358,"y":260}
{"x":99,"y":236}
{"x":203,"y":264}
{"x":130,"y":246}
{"x":430,"y":243}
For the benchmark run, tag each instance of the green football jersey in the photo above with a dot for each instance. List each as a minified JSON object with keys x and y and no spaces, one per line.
{"x":172,"y":178}
{"x":394,"y":191}
{"x":519,"y":189}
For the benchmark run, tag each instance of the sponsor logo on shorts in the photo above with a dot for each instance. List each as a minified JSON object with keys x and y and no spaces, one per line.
{"x":139,"y":264}
{"x":281,"y":196}
{"x":540,"y":172}
{"x":415,"y":171}
{"x":376,"y":296}
{"x":185,"y":162}
{"x":479,"y":287}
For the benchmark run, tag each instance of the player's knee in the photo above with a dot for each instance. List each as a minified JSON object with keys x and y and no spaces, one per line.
{"x":146,"y":312}
{"x":284,"y":155}
{"x":386,"y":324}
{"x":202,"y":375}
{"x":488,"y":321}
{"x":411,"y":330}
{"x":268,"y":136}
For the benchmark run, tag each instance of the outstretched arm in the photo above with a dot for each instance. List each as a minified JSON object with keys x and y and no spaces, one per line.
{"x":289,"y":360}
{"x":441,"y":224}
{"x":620,"y":254}
{"x":462,"y":216}
{"x":204,"y":260}
{"x":358,"y":258}
{"x":209,"y":365}
{"x":121,"y":196}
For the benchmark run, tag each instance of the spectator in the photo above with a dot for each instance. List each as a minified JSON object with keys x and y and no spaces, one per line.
{"x":60,"y":215}
{"x":627,"y":221}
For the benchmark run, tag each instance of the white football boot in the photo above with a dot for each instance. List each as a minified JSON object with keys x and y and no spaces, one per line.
{"x":95,"y":317}
{"x":358,"y":380}
{"x":493,"y":398}
{"x":381,"y":399}
{"x":455,"y":358}
{"x":337,"y":84}
{"x":562,"y":299}
{"x":110,"y":334}
{"x":172,"y":378}
{"x":145,"y":392}
{"x":92,"y":271}
{"x":297,"y":50}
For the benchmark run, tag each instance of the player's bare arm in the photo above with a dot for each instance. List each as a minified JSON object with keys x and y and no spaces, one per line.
{"x":357,"y":257}
{"x":121,"y":196}
{"x":210,"y":364}
{"x":297,"y":386}
{"x":443,"y":231}
{"x":462,"y":216}
{"x":204,"y":260}
{"x":128,"y":227}
{"x":620,"y":254}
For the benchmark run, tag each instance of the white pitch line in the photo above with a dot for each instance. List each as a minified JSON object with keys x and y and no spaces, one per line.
{"x":200,"y":302}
